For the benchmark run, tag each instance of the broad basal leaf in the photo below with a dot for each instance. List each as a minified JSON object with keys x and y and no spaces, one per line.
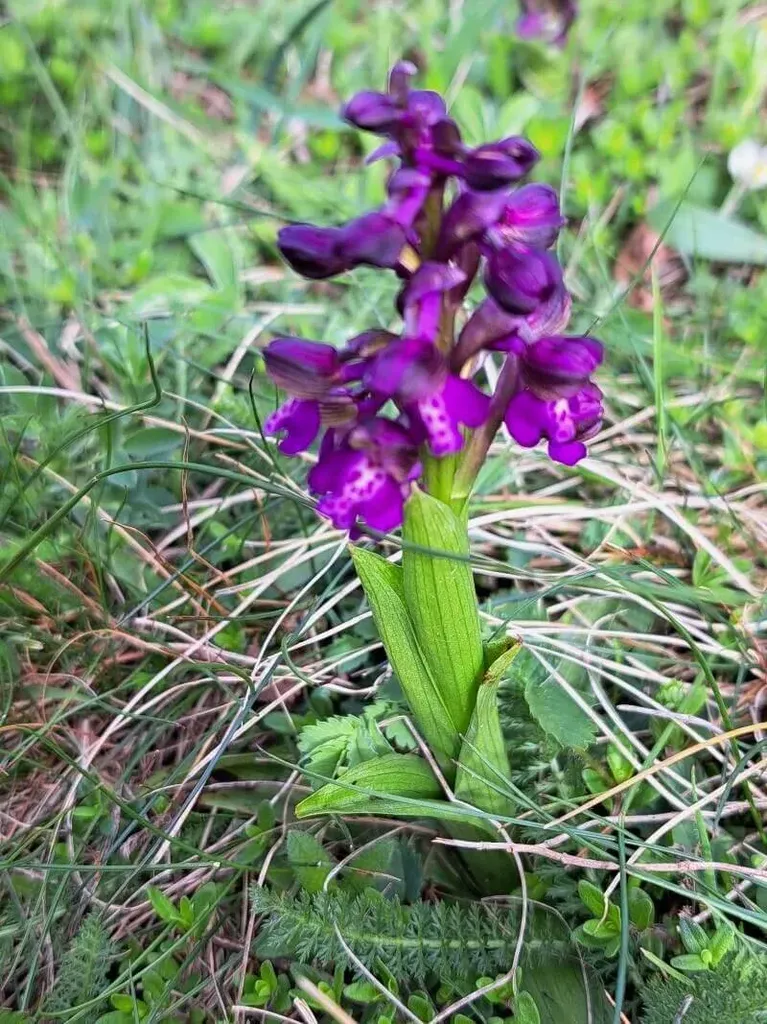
{"x":551,"y":706}
{"x":392,"y":775}
{"x":383,"y":585}
{"x":483,"y":767}
{"x":442,"y":602}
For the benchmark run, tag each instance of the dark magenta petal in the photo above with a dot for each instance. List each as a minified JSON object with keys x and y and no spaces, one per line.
{"x":557,"y":367}
{"x":531,"y":217}
{"x":407,"y":190}
{"x":300,"y":420}
{"x":567,"y":453}
{"x":312,"y":251}
{"x":446,"y":137}
{"x":499,"y":163}
{"x":371,"y":111}
{"x":427,"y":107}
{"x":386,"y":149}
{"x":525,"y":419}
{"x":466,"y":403}
{"x":407,"y":369}
{"x":399,"y":80}
{"x":488,"y":324}
{"x":374,"y":240}
{"x":521,"y":280}
{"x":306,"y":369}
{"x":421,"y":299}
{"x":470,"y":215}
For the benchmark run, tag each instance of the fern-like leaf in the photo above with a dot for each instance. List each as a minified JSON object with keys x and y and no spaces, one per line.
{"x":412,"y":941}
{"x":83,"y":971}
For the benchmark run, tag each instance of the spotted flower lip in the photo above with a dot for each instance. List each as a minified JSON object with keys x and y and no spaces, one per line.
{"x":365,"y":474}
{"x":565,"y":423}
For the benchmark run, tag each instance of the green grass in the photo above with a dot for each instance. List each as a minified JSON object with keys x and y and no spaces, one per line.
{"x":172,"y":613}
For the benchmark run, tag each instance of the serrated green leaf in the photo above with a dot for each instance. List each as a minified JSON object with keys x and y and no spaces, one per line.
{"x":483,"y":767}
{"x":699,"y":231}
{"x":551,"y":706}
{"x":442,"y":602}
{"x":384,"y":587}
{"x":309,"y":860}
{"x":392,"y":775}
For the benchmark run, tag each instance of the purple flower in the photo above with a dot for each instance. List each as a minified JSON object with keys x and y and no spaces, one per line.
{"x":374,"y":240}
{"x":437,"y":418}
{"x":564,"y":422}
{"x":372,"y":112}
{"x":471,"y":214}
{"x":312,"y":251}
{"x":557,"y":367}
{"x":366,"y":474}
{"x":531,"y":217}
{"x":549,"y":20}
{"x":421,"y":299}
{"x":499,"y":163}
{"x":305,"y":369}
{"x":407,"y":190}
{"x":521,"y":280}
{"x":300,"y":419}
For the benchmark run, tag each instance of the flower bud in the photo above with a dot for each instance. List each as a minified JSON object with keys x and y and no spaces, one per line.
{"x":522,"y":280}
{"x":499,"y":163}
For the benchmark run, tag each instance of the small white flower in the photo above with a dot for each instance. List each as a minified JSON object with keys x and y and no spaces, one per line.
{"x":747,"y":164}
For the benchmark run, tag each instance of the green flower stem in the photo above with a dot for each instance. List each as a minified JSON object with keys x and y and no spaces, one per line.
{"x":476,"y":451}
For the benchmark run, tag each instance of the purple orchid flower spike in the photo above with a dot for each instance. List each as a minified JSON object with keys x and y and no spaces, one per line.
{"x":389,"y":402}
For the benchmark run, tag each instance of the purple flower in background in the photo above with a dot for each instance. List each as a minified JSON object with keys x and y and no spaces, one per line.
{"x":549,"y":20}
{"x":391,"y":397}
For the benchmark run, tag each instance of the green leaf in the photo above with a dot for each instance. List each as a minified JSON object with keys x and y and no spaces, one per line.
{"x":592,"y":898}
{"x":440,"y":596}
{"x":217,"y":252}
{"x":693,"y":936}
{"x":710,"y":234}
{"x":553,"y":709}
{"x":392,"y":775}
{"x":641,"y":909}
{"x":362,"y":992}
{"x":689,"y":962}
{"x":383,"y":583}
{"x":525,"y":1010}
{"x":483,"y":766}
{"x":162,"y":906}
{"x":721,"y":943}
{"x":559,"y":991}
{"x":309,"y":860}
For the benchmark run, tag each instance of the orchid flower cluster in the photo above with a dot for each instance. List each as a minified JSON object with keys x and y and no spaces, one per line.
{"x":388,"y":404}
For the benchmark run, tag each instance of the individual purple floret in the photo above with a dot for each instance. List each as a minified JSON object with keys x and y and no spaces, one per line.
{"x":390,"y":401}
{"x":549,"y":20}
